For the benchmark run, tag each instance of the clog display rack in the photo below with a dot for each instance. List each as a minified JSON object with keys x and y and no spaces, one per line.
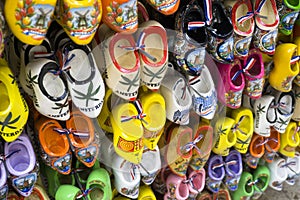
{"x":150,"y":99}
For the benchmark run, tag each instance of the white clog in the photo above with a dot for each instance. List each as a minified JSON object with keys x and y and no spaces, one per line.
{"x":278,"y":173}
{"x":293,"y":168}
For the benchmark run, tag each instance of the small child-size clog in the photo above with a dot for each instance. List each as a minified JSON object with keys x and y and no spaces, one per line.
{"x":128,"y":131}
{"x":288,"y":11}
{"x":177,"y":188}
{"x":195,"y":181}
{"x":120,"y":15}
{"x":278,"y":173}
{"x":284,"y":71}
{"x":231,"y":87}
{"x":243,"y":128}
{"x":261,"y":177}
{"x":29,"y":20}
{"x":68,"y":192}
{"x":215,"y":173}
{"x":225,"y":138}
{"x":256,"y":151}
{"x":289,"y":140}
{"x":233,"y":168}
{"x":13,"y":108}
{"x":79,"y":19}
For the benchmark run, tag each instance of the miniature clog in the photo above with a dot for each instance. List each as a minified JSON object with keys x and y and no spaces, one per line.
{"x":120,"y":15}
{"x":243,"y":128}
{"x":289,"y":140}
{"x":230,"y":89}
{"x":265,"y":115}
{"x":284,"y":72}
{"x":243,"y":26}
{"x":261,"y":177}
{"x":272,"y":145}
{"x":293,"y":168}
{"x":288,"y":12}
{"x":256,"y":151}
{"x":216,"y":172}
{"x":13,"y":109}
{"x":37,"y":192}
{"x":296,"y":115}
{"x":225,"y":137}
{"x":67,"y":192}
{"x":177,"y":188}
{"x":195,"y":181}
{"x":233,"y":169}
{"x":165,"y":7}
{"x":278,"y":173}
{"x":31,"y":20}
{"x":79,"y":20}
{"x":128,"y":131}
{"x":146,"y":193}
{"x":267,"y":21}
{"x":152,"y":38}
{"x":245,"y":190}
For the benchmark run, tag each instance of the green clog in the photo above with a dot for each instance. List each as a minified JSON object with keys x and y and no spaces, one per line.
{"x":245,"y":188}
{"x":68,"y":192}
{"x":262,"y":178}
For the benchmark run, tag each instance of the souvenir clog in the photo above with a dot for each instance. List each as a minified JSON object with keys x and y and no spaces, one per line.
{"x":293,"y":168}
{"x":265,"y":115}
{"x":103,"y":118}
{"x":13,"y":108}
{"x":245,"y":189}
{"x":288,"y":12}
{"x":204,"y":196}
{"x":296,"y":115}
{"x":55,"y":148}
{"x":31,"y":19}
{"x":67,"y":192}
{"x":243,"y":128}
{"x":195,"y":181}
{"x":128,"y":131}
{"x":178,"y":99}
{"x":272,"y":145}
{"x":152,"y":40}
{"x":179,"y":151}
{"x":37,"y":192}
{"x":256,"y":151}
{"x":289,"y":140}
{"x":79,"y":19}
{"x":177,"y":188}
{"x":278,"y":173}
{"x":146,"y":193}
{"x":215,"y":173}
{"x":226,"y":138}
{"x":165,"y":7}
{"x":284,"y":71}
{"x":261,"y":177}
{"x":99,"y":185}
{"x":243,"y":25}
{"x":266,"y":21}
{"x":222,"y":194}
{"x":233,"y":168}
{"x":230,"y":88}
{"x":120,"y":15}
{"x":154,"y":107}
{"x":296,"y":41}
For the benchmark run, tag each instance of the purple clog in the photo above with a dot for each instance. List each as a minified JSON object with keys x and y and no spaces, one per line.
{"x":234,"y":169}
{"x":216,"y":173}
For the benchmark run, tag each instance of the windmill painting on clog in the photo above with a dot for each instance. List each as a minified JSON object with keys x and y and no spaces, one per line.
{"x":288,"y":11}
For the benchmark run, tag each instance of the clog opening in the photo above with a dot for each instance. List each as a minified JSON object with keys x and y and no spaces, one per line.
{"x":53,"y":85}
{"x":126,"y":59}
{"x":155,"y":117}
{"x":256,"y":69}
{"x":273,"y":143}
{"x":154,"y":46}
{"x":218,"y":172}
{"x":231,"y":137}
{"x":294,"y":3}
{"x":4,"y":97}
{"x":262,"y":183}
{"x":197,"y":34}
{"x":198,"y":181}
{"x":234,"y":167}
{"x":54,"y":142}
{"x":256,"y":149}
{"x":183,"y":190}
{"x":268,"y":11}
{"x":240,"y":12}
{"x":80,"y":125}
{"x":220,"y":21}
{"x":185,"y":136}
{"x":96,"y":192}
{"x":66,"y":179}
{"x":239,"y":80}
{"x":248,"y":188}
{"x":271,"y":112}
{"x":80,"y":65}
{"x":19,"y":161}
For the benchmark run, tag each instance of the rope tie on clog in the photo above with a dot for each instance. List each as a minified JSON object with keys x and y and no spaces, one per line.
{"x":216,"y":166}
{"x":193,"y":144}
{"x":191,"y":182}
{"x":85,"y":193}
{"x":263,"y":142}
{"x":195,"y":24}
{"x":72,"y":131}
{"x":248,"y":66}
{"x":139,"y":47}
{"x":291,"y":163}
{"x":236,"y":127}
{"x":281,"y":106}
{"x":64,"y":66}
{"x":139,"y":116}
{"x":4,"y":157}
{"x":251,"y":14}
{"x":294,"y":59}
{"x":251,"y":183}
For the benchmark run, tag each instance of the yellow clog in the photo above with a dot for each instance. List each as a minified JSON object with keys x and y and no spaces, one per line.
{"x":283,"y":73}
{"x":289,"y":140}
{"x":128,"y":132}
{"x":13,"y":107}
{"x":225,"y":138}
{"x":29,"y":20}
{"x":146,"y":193}
{"x":154,"y":107}
{"x":103,"y":118}
{"x":297,"y":42}
{"x":243,"y":128}
{"x":80,"y":19}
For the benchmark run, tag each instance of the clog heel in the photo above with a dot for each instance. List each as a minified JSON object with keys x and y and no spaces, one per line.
{"x":29,"y":20}
{"x":284,"y":72}
{"x":128,"y":132}
{"x":225,"y":137}
{"x":289,"y":140}
{"x":13,"y":108}
{"x":154,"y":106}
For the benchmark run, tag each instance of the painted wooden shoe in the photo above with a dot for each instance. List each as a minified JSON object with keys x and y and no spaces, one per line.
{"x":272,"y":145}
{"x":79,"y":19}
{"x":261,"y":177}
{"x":128,"y":131}
{"x":146,"y":193}
{"x":267,"y":21}
{"x":154,"y":53}
{"x":243,"y":128}
{"x":120,"y":15}
{"x":284,"y":71}
{"x":278,"y":173}
{"x":205,"y":195}
{"x":195,"y":181}
{"x":177,"y":188}
{"x":165,"y":7}
{"x":225,"y":137}
{"x":233,"y":168}
{"x":245,"y":190}
{"x":288,"y":12}
{"x":230,"y":89}
{"x":296,"y":41}
{"x":293,"y":168}
{"x":222,"y":194}
{"x":216,"y":173}
{"x":289,"y":140}
{"x":13,"y":108}
{"x":256,"y":151}
{"x":243,"y":26}
{"x":296,"y":115}
{"x":31,"y":19}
